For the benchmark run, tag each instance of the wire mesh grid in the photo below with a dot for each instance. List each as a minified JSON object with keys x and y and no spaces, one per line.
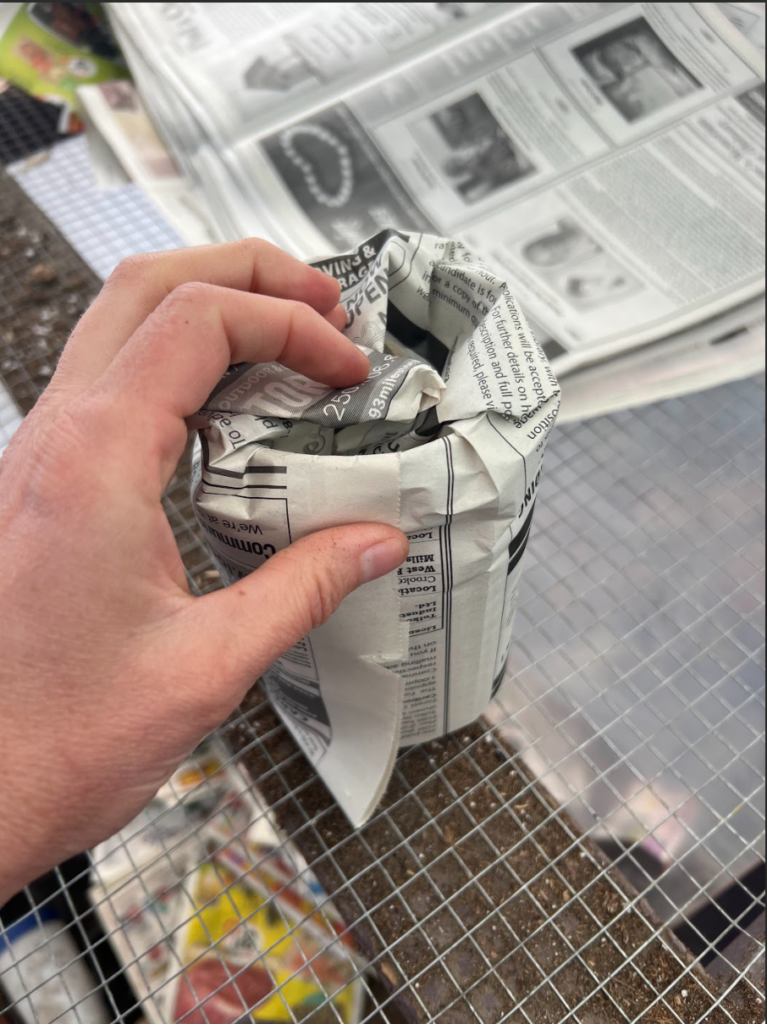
{"x":611,"y":872}
{"x":26,"y":124}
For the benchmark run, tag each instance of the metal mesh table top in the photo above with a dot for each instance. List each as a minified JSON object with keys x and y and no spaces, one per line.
{"x":633,"y":713}
{"x":26,"y":124}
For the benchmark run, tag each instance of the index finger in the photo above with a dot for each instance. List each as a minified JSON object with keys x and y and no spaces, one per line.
{"x":170,"y":365}
{"x":139,"y":284}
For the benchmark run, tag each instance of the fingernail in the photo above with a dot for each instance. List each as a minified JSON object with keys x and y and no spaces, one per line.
{"x":382,"y":558}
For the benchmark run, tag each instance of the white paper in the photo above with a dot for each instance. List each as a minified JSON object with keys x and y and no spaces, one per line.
{"x":46,"y":975}
{"x":453,"y":458}
{"x":724,"y":349}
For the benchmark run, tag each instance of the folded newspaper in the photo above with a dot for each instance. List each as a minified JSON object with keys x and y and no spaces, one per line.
{"x":445,"y":439}
{"x":608,"y":157}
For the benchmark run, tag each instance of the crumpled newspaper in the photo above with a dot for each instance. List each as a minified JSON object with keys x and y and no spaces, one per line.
{"x":445,"y":439}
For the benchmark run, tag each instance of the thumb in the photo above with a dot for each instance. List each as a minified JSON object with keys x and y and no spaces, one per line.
{"x":251,"y":623}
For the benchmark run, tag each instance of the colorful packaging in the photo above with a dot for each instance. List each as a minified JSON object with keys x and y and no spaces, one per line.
{"x":50,"y":49}
{"x":242,"y":959}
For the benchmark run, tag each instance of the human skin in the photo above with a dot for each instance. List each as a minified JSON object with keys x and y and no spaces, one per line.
{"x":111,"y":671}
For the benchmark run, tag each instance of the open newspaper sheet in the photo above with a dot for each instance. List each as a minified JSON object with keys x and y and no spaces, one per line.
{"x":125,"y":147}
{"x":610,"y":157}
{"x":445,"y":439}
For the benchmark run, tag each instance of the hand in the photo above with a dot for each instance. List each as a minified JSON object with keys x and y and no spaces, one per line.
{"x":111,"y":672}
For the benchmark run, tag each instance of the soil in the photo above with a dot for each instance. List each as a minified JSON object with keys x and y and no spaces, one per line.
{"x":471,"y":890}
{"x":44,"y":289}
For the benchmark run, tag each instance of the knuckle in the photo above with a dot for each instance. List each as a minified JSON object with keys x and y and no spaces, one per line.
{"x":257,"y":247}
{"x":323,"y":596}
{"x":68,"y":437}
{"x":60,"y":468}
{"x":300,"y":316}
{"x":189,"y":292}
{"x":175,"y":309}
{"x":259,"y":253}
{"x":130,"y":271}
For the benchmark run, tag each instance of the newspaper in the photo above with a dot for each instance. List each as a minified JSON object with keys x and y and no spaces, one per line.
{"x":726,"y":348}
{"x":609,"y":157}
{"x":445,"y":439}
{"x":125,"y":147}
{"x":749,"y":18}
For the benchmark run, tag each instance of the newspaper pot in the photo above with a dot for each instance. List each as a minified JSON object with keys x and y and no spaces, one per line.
{"x":453,"y":460}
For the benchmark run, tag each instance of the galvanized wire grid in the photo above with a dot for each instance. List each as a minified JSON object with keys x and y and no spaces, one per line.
{"x":636,"y":695}
{"x":26,"y":124}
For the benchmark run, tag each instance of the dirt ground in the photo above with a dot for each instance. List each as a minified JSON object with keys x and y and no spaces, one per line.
{"x":471,"y":889}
